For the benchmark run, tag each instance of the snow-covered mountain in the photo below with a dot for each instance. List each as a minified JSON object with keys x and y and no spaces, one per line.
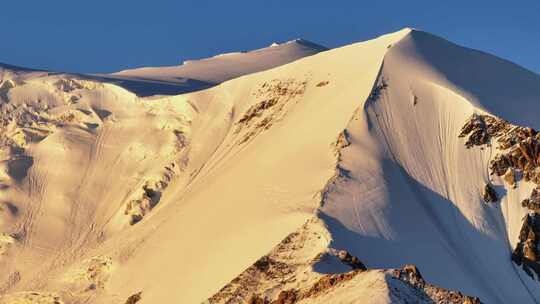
{"x":227,"y":66}
{"x":195,"y":75}
{"x":320,"y":180}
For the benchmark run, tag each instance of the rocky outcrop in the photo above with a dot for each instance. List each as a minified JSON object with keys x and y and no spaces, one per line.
{"x":322,"y":83}
{"x":518,"y":156}
{"x":526,"y":252}
{"x":377,"y":90}
{"x":479,"y":129}
{"x":144,"y":201}
{"x":31,"y":298}
{"x":281,"y":269}
{"x":68,"y":85}
{"x":533,"y":201}
{"x":5,"y":86}
{"x":343,"y":141}
{"x":135,"y":298}
{"x":289,"y":275}
{"x":510,"y":177}
{"x":489,"y":195}
{"x":274,"y":97}
{"x":518,"y":148}
{"x":6,"y":241}
{"x":410,"y":275}
{"x":291,"y":296}
{"x":350,"y":260}
{"x":136,"y":209}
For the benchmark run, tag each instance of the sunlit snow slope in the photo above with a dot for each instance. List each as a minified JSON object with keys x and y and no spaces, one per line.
{"x":217,"y":69}
{"x":108,"y":197}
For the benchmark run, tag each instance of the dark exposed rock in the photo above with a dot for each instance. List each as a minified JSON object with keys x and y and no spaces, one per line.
{"x":471,"y":300}
{"x":377,"y":90}
{"x":328,"y":281}
{"x":481,"y":128}
{"x":257,"y":299}
{"x":274,"y":96}
{"x":489,"y":195}
{"x":263,"y":264}
{"x":5,"y":86}
{"x":68,"y":85}
{"x":256,"y":110}
{"x":350,"y":260}
{"x":526,"y":253}
{"x":433,"y":294}
{"x":291,"y":296}
{"x":134,"y":298}
{"x":533,"y":202}
{"x":510,"y":177}
{"x":287,"y":297}
{"x":137,"y":209}
{"x":500,"y":164}
{"x":520,"y":151}
{"x":476,"y":129}
{"x":322,"y":83}
{"x":518,"y":157}
{"x":410,"y":274}
{"x":343,"y":140}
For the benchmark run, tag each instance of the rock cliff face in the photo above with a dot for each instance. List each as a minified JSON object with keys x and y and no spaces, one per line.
{"x":526,"y":252}
{"x":517,"y":158}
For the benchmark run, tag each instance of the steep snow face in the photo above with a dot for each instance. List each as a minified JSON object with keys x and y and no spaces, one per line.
{"x":223,"y":67}
{"x":409,"y":191}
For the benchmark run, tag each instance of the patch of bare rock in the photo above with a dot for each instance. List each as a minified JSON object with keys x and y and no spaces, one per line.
{"x":517,"y":157}
{"x":273,"y":97}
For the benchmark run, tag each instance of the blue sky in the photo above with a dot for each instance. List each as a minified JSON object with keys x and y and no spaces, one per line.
{"x":106,"y":36}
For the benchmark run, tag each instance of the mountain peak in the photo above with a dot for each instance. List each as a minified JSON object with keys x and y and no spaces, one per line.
{"x":222,"y":67}
{"x":300,"y":41}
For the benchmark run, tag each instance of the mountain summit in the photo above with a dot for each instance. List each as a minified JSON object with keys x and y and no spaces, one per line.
{"x":403,"y":169}
{"x":224,"y":67}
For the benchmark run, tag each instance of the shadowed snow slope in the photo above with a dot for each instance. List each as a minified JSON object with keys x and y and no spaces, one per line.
{"x":106,"y":195}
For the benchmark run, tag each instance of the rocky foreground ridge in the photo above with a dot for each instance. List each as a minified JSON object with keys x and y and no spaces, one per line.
{"x":301,"y":270}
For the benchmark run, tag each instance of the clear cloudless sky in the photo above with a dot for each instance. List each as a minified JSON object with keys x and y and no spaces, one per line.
{"x":106,"y":36}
